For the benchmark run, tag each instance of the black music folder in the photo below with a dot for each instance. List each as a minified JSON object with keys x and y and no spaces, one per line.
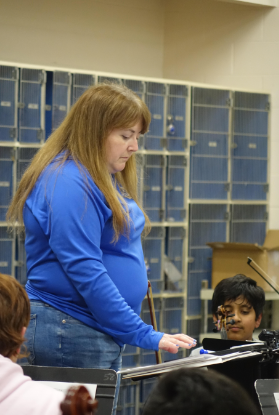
{"x":105,"y":379}
{"x":266,"y":388}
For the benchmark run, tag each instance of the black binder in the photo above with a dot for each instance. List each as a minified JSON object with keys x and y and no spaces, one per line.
{"x":265,"y":389}
{"x":221,"y":344}
{"x":245,"y":371}
{"x":105,"y":379}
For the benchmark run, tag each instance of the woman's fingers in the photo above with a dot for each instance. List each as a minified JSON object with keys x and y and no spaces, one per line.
{"x":171,"y":348}
{"x":171,"y":343}
{"x":183,"y":338}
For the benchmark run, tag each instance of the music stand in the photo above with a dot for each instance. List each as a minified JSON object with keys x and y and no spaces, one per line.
{"x":265,"y":389}
{"x":105,"y":379}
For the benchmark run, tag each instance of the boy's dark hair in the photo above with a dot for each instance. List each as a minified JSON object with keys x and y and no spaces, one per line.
{"x":229,"y":289}
{"x":198,"y":392}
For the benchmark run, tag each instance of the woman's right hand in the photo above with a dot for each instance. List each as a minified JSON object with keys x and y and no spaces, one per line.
{"x":172,"y":342}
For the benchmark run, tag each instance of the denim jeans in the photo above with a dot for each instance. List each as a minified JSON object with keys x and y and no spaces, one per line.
{"x":56,"y":339}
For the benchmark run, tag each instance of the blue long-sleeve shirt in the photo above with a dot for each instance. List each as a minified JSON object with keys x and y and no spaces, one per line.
{"x":72,"y":263}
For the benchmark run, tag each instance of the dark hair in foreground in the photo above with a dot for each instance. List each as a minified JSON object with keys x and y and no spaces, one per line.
{"x":198,"y":392}
{"x":229,"y":289}
{"x":14,"y":315}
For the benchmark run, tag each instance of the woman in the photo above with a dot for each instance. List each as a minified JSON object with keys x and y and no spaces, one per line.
{"x":83,"y":224}
{"x":18,"y":394}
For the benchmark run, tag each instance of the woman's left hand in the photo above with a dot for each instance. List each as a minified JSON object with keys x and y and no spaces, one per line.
{"x":172,"y":342}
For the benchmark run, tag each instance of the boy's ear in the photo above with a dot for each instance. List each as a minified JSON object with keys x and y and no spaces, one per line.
{"x":258,"y":320}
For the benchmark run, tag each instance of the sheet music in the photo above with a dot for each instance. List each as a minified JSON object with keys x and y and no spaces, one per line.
{"x":192,"y":361}
{"x":238,"y":355}
{"x":64,"y":386}
{"x":276,"y":396}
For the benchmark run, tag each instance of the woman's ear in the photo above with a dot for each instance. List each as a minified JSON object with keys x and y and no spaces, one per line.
{"x":23,"y":331}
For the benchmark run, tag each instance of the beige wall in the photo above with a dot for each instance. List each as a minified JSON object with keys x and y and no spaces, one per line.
{"x":123,"y":36}
{"x":207,"y":41}
{"x":229,"y":45}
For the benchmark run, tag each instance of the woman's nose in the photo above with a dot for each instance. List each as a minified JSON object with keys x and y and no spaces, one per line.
{"x":134,"y":145}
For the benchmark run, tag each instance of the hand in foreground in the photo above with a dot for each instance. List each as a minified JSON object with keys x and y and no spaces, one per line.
{"x":171,"y":343}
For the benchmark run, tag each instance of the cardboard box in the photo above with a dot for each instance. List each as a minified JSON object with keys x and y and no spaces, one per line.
{"x":229,"y":259}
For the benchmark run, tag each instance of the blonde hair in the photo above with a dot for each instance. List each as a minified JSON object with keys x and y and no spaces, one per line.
{"x":82,"y":136}
{"x":14,"y":315}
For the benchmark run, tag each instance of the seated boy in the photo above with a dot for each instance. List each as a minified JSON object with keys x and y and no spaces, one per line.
{"x":241,"y":296}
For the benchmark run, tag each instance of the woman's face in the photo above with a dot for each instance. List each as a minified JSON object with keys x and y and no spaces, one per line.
{"x":120,"y":144}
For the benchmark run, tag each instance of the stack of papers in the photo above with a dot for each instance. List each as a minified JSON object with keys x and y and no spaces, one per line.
{"x":190,"y":362}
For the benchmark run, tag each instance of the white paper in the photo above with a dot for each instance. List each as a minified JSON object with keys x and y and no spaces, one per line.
{"x":238,"y":355}
{"x":276,"y":396}
{"x":192,"y":361}
{"x":248,"y":344}
{"x":64,"y":386}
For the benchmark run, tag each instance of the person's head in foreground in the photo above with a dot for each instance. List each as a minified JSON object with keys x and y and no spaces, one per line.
{"x":198,"y":392}
{"x":14,"y":316}
{"x":242,"y":297}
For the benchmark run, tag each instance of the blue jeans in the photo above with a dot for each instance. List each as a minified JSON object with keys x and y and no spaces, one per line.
{"x":56,"y":339}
